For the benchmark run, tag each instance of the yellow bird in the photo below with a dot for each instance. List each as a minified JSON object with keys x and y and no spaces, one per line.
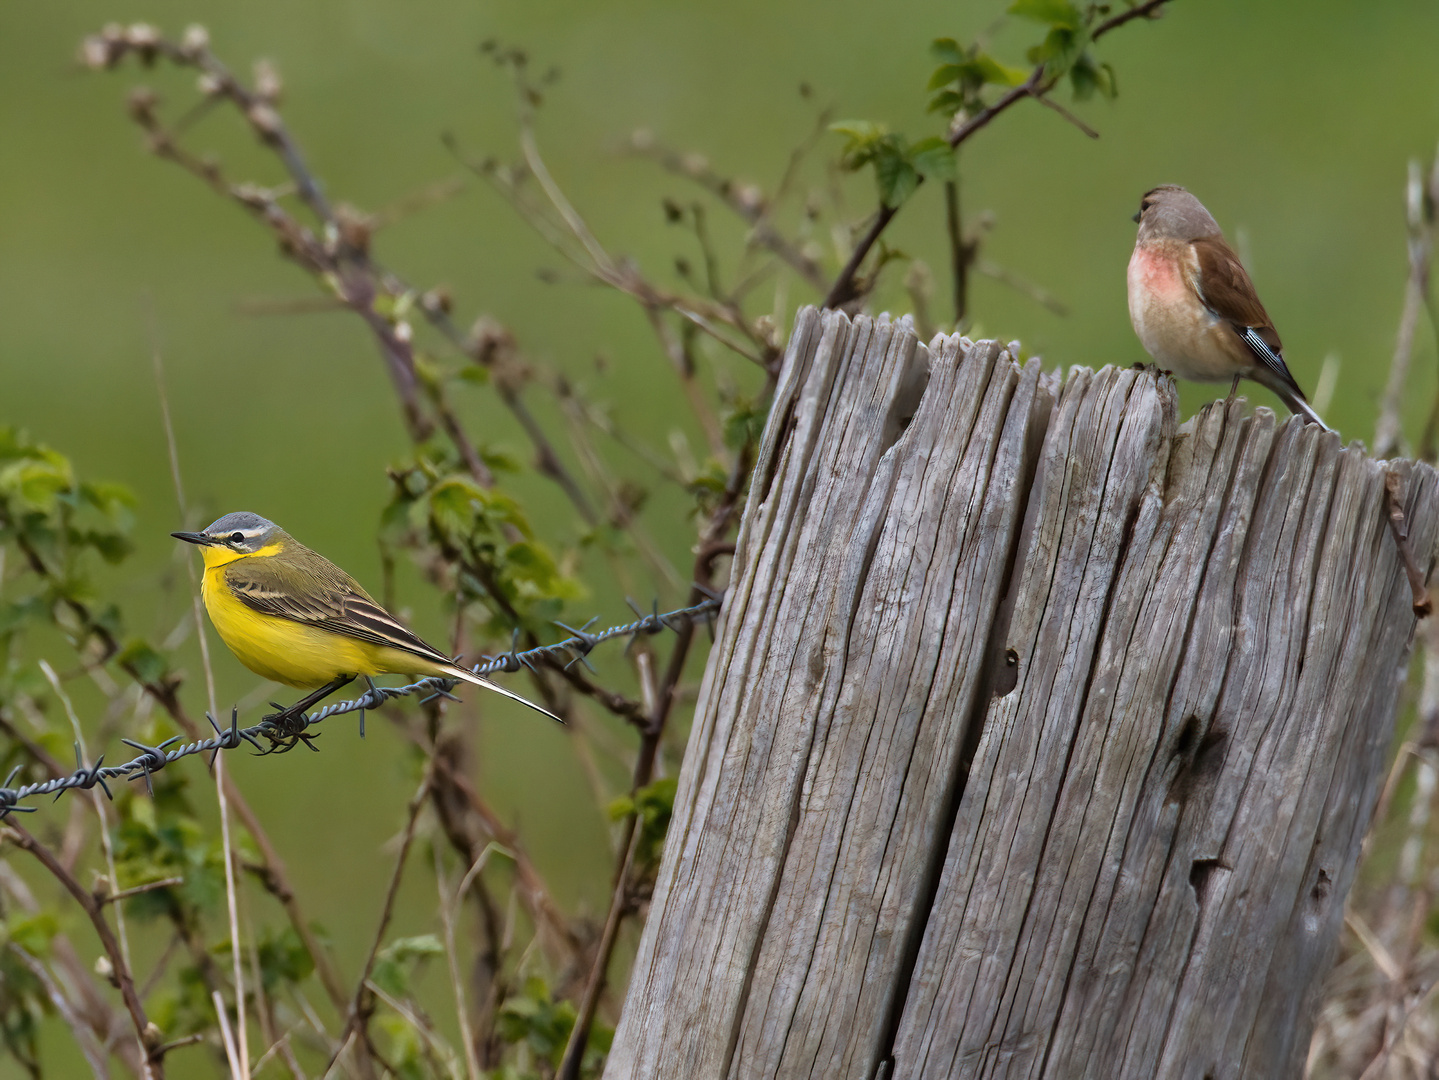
{"x":293,"y":616}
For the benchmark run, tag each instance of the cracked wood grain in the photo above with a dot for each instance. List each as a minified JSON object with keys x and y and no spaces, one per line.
{"x":1039,"y":736}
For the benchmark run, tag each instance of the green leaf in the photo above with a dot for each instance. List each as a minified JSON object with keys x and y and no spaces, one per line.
{"x":948,"y":51}
{"x":895,"y":176}
{"x":37,"y":482}
{"x":1059,"y":51}
{"x":944,"y":75}
{"x":419,"y":947}
{"x":535,"y":1019}
{"x":406,"y":1055}
{"x":859,"y":131}
{"x":1088,"y":78}
{"x":993,"y":71}
{"x":14,"y":616}
{"x":933,"y":158}
{"x":33,"y":933}
{"x":1051,"y":12}
{"x":394,"y":963}
{"x":453,"y":503}
{"x":744,"y":423}
{"x":654,"y":806}
{"x":115,"y":501}
{"x":112,"y":547}
{"x":147,"y":665}
{"x":283,"y":959}
{"x":975,"y":72}
{"x":161,"y":838}
{"x":946,"y":101}
{"x":186,"y":1008}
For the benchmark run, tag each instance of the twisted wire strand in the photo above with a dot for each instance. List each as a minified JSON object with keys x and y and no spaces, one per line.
{"x":284,"y":734}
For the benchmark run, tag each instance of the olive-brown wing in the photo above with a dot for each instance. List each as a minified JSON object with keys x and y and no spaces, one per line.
{"x":308,"y":588}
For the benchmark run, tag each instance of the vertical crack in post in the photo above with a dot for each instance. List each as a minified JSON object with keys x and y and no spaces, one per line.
{"x":994,"y":668}
{"x":1101,"y":624}
{"x":907,"y":395}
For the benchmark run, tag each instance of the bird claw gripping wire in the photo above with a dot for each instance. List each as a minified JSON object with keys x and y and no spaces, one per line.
{"x":285,"y":729}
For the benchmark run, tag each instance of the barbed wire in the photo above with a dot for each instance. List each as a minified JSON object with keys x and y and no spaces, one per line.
{"x":285,"y":733}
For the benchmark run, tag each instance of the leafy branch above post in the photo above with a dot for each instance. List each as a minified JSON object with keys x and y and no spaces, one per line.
{"x":960,"y":83}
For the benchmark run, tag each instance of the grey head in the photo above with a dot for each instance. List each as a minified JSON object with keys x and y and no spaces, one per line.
{"x":241,"y":531}
{"x":1168,"y":212}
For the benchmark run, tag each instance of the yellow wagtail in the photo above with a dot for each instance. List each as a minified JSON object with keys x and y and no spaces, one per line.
{"x":293,"y":616}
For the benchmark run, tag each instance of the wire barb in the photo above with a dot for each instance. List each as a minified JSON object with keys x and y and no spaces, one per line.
{"x":284,"y":730}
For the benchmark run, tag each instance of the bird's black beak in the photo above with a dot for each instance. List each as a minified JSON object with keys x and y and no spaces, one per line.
{"x":193,"y":538}
{"x":1136,"y":217}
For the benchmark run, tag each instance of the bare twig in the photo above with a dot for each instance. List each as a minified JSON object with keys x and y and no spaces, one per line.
{"x":1400,"y":528}
{"x":1419,"y":219}
{"x":106,"y":844}
{"x":231,"y":902}
{"x":448,"y":903}
{"x":565,"y":230}
{"x":961,"y":254}
{"x":357,"y":1016}
{"x":493,"y":348}
{"x":227,"y":1037}
{"x":711,"y":547}
{"x":844,"y":289}
{"x":1041,"y":296}
{"x":148,"y":1035}
{"x":534,"y":892}
{"x":589,"y":1001}
{"x":93,"y":1052}
{"x":1049,"y":103}
{"x":747,"y":202}
{"x":149,"y":886}
{"x":87,"y":1000}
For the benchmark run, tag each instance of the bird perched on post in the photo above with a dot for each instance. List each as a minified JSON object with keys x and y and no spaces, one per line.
{"x":291,"y":615}
{"x":1193,"y":306}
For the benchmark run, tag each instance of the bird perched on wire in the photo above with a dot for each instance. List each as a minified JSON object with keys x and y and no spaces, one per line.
{"x":291,"y":615}
{"x":1193,"y":306}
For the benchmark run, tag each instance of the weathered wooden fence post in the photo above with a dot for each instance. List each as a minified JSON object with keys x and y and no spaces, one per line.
{"x":1039,"y":737}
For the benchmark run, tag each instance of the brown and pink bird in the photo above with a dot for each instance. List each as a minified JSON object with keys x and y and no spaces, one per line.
{"x":1193,"y":306}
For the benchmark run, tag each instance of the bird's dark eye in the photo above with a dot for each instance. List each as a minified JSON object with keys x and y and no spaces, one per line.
{"x":237,"y":538}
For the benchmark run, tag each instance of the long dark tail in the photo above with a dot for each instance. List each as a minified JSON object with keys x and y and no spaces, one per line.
{"x":455,"y":671}
{"x":1291,"y":395}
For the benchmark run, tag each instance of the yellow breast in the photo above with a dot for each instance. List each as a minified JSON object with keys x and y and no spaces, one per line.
{"x":281,"y":649}
{"x":291,"y":652}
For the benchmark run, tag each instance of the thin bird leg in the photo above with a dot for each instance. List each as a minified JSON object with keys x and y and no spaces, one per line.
{"x":286,"y":717}
{"x":1233,"y":389}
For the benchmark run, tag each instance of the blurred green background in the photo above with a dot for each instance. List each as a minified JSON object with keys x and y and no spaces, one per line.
{"x":1294,"y":124}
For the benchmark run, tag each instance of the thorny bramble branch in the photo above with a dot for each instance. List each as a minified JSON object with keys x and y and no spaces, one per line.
{"x":337,"y":255}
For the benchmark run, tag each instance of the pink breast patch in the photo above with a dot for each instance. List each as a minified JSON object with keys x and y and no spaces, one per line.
{"x":1160,"y":274}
